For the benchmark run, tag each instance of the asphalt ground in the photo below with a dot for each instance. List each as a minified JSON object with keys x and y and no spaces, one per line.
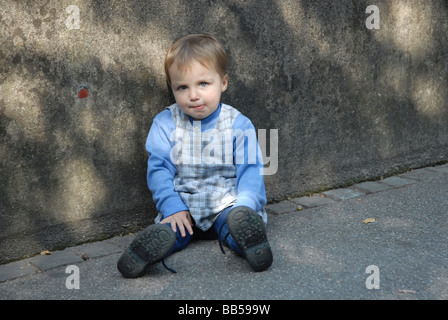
{"x":381,"y":240}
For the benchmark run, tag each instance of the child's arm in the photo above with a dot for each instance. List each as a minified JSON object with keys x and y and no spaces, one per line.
{"x":161,"y":171}
{"x":249,"y":180}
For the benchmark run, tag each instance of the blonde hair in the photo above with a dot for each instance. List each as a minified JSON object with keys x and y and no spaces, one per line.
{"x":203,"y":47}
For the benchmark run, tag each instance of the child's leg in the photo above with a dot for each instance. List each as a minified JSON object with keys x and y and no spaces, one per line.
{"x":152,"y":244}
{"x":222,"y":230}
{"x":181,"y":242}
{"x":248,"y":231}
{"x":149,"y":246}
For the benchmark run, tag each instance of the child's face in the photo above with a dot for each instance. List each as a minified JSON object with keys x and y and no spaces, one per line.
{"x":197,"y":89}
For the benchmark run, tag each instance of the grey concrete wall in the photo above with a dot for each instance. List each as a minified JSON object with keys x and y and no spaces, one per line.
{"x":350,"y":103}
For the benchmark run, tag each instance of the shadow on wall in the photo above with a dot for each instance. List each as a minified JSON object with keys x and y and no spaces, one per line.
{"x":349,"y":103}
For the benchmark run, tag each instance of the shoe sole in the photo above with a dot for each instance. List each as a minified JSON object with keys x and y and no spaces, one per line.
{"x":149,"y":246}
{"x":247,"y":228}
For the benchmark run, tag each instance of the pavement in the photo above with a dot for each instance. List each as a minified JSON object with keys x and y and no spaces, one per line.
{"x":376,"y":240}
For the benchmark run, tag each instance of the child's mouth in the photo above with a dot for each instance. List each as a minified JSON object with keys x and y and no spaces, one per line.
{"x":199,"y":108}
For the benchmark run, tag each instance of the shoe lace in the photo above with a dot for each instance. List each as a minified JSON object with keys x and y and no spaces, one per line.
{"x":166,"y":267}
{"x":219,"y":238}
{"x":220,"y":245}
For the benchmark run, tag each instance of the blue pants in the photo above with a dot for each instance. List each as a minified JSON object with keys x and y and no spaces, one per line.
{"x":210,"y":234}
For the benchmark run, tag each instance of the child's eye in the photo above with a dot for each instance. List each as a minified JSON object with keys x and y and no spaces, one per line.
{"x":181,"y":88}
{"x":203,"y":84}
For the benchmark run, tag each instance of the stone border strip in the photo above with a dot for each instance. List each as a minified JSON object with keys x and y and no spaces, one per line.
{"x":71,"y":255}
{"x":357,"y":190}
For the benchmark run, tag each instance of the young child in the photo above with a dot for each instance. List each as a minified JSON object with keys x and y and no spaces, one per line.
{"x":204,"y":166}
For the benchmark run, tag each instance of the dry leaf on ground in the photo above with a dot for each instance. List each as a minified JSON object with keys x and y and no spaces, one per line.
{"x":369,"y":220}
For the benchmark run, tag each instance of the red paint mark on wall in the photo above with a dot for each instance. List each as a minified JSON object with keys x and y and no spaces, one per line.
{"x":83,"y":93}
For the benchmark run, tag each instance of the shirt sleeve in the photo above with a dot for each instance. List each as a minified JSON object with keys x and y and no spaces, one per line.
{"x":249,"y":165}
{"x":161,"y":170}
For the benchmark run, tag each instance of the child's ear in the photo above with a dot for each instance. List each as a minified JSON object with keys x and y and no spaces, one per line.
{"x":225,"y":82}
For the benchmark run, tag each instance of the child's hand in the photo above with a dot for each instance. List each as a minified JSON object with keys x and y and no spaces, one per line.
{"x":183,"y":220}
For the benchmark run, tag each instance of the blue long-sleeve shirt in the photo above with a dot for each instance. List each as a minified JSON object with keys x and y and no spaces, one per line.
{"x":162,"y":171}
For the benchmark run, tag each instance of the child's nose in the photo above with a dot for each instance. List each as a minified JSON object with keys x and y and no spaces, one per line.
{"x":194,"y":95}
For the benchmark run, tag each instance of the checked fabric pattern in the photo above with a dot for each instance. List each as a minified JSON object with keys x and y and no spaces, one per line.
{"x":206,"y":175}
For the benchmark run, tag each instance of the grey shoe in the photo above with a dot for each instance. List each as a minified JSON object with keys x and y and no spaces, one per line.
{"x":247,"y":228}
{"x":149,"y":246}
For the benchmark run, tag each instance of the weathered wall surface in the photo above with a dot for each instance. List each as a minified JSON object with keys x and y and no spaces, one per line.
{"x":350,"y":103}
